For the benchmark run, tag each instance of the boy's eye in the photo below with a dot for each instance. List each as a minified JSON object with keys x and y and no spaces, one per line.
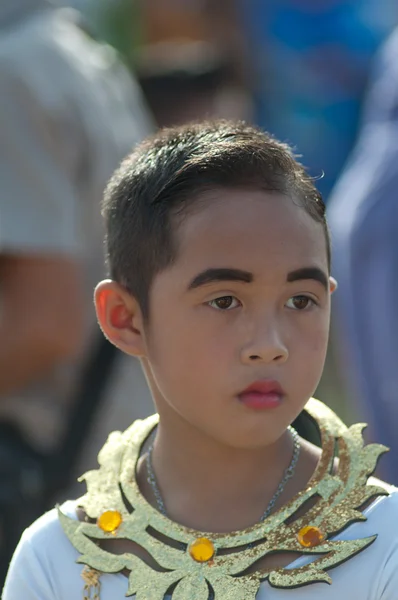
{"x":224,"y":303}
{"x":300,"y":302}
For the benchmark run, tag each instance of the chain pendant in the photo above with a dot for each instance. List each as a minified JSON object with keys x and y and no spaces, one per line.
{"x":92,"y":584}
{"x":288,"y":474}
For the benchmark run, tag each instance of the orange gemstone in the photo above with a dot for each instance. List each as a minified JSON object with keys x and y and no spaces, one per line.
{"x":109,"y":521}
{"x":310,"y":536}
{"x":202,"y":550}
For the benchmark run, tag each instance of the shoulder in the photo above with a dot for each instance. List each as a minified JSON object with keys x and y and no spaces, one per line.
{"x":45,"y":567}
{"x":52,"y":42}
{"x":44,"y":561}
{"x":383,"y":484}
{"x":382,"y":518}
{"x":23,"y":40}
{"x":39,"y":32}
{"x":27,"y":55}
{"x":48,"y":526}
{"x":384,"y":511}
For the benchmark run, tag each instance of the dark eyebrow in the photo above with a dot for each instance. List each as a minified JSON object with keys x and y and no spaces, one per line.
{"x":220,"y":274}
{"x":309,"y":273}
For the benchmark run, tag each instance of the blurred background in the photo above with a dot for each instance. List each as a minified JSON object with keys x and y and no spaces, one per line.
{"x":80,"y":85}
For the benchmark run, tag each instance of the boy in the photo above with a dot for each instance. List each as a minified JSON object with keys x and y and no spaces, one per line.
{"x":219,"y":255}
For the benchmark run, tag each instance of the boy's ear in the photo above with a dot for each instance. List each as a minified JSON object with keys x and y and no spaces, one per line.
{"x":120,"y":317}
{"x":332,"y":284}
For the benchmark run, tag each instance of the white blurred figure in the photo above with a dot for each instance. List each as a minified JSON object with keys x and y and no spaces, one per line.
{"x":69,"y":112}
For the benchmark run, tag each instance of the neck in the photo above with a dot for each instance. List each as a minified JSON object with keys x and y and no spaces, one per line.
{"x":211,"y":487}
{"x":13,"y":11}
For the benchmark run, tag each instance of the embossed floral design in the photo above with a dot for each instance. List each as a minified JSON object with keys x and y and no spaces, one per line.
{"x":339,"y":495}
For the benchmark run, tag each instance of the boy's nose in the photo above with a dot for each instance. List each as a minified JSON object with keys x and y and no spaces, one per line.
{"x":267,"y":346}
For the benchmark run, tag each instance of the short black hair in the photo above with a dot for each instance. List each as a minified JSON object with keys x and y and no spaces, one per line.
{"x":166,"y":174}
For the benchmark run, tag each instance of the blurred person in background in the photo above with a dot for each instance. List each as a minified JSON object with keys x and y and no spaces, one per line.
{"x":69,"y":112}
{"x":311,"y":62}
{"x":363,"y":216}
{"x":189,"y":55}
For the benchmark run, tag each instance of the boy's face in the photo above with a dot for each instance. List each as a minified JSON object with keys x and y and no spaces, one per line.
{"x":247,"y":300}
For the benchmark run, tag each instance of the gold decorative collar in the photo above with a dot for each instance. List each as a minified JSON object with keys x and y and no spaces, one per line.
{"x":192,"y":564}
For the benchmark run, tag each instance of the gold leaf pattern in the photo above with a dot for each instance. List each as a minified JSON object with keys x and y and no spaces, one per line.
{"x":193,"y":587}
{"x":339,"y":493}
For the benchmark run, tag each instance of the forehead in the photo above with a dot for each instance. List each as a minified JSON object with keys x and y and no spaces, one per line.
{"x":263,"y":232}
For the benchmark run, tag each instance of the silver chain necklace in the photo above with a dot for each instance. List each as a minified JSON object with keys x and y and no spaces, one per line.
{"x":288,"y":474}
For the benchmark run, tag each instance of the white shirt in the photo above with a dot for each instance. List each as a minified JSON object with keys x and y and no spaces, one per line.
{"x":44,"y":564}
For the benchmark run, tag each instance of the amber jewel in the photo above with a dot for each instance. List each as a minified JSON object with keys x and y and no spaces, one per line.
{"x":310,"y":536}
{"x":202,"y":549}
{"x":109,"y":520}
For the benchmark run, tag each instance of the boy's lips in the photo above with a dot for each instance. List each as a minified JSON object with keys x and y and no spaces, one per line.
{"x":262,"y":395}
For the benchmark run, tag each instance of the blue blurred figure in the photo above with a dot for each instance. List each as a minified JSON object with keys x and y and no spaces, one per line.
{"x":311,"y":61}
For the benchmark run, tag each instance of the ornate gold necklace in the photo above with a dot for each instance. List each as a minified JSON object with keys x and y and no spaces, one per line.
{"x":193,"y":565}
